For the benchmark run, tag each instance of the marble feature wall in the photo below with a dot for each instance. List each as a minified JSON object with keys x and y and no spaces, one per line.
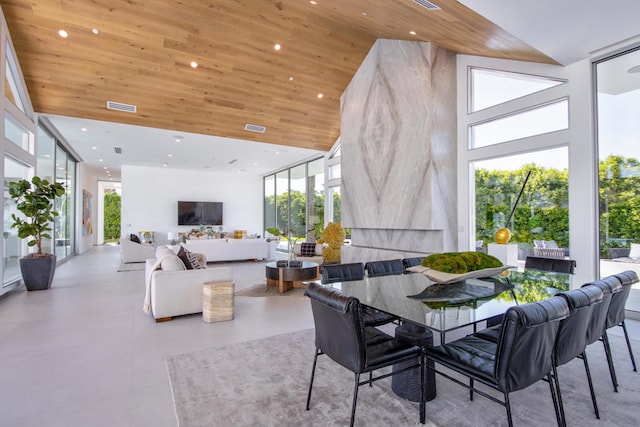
{"x":398,"y":133}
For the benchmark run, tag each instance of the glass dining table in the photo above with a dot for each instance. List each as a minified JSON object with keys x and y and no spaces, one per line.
{"x":445,"y":307}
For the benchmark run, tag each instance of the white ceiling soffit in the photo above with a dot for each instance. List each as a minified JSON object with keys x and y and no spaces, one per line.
{"x":566,"y":30}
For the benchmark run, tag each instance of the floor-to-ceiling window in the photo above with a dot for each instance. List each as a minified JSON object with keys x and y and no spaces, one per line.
{"x":55,"y":163}
{"x":294,"y":201}
{"x":618,"y":110}
{"x":17,"y":144}
{"x":14,"y":247}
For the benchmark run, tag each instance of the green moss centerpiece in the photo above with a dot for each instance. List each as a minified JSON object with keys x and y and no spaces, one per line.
{"x":451,"y":267}
{"x":461,"y":262}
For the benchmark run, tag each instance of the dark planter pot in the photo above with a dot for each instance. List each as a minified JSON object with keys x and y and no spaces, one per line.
{"x":37,"y":273}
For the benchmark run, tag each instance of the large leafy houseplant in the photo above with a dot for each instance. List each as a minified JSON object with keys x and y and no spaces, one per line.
{"x":35,"y":200}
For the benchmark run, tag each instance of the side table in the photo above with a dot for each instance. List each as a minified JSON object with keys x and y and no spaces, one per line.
{"x":217,"y":301}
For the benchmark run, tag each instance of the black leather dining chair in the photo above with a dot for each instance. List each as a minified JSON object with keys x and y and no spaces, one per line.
{"x":557,"y":265}
{"x":521,"y":356}
{"x":384,"y":268}
{"x":411,"y":262}
{"x":333,"y":273}
{"x":609,"y":286}
{"x":616,"y":315}
{"x":342,"y":335}
{"x":584,"y":305}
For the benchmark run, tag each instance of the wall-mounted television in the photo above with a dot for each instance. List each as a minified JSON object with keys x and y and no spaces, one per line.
{"x":199,"y":213}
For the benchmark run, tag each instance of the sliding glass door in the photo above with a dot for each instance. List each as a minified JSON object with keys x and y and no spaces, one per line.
{"x":618,"y":109}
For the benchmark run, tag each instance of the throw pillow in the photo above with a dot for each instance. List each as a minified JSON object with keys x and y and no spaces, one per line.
{"x":307,"y":249}
{"x":172,"y":263}
{"x":634,"y":253}
{"x":189,"y":259}
{"x":134,"y":238}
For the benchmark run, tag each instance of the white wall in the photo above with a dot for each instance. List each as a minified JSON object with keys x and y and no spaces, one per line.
{"x":150,"y":199}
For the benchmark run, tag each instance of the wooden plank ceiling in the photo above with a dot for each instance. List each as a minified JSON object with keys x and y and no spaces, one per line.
{"x":142,"y":53}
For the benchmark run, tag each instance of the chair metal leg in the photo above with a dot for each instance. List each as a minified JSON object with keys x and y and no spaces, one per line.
{"x":626,"y":336}
{"x":423,"y":386}
{"x":471,"y":389}
{"x":507,"y":404}
{"x":612,"y":369}
{"x":593,"y":393}
{"x":558,"y":404}
{"x":355,"y":398}
{"x":554,"y":397}
{"x":313,"y":371}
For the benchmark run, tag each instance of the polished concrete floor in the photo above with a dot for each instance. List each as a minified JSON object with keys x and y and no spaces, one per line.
{"x":83,"y":353}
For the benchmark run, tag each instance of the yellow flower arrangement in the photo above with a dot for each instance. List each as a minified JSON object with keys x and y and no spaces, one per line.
{"x":333,"y":236}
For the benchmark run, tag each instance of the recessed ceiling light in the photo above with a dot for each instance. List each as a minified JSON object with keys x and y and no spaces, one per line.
{"x":364,"y":13}
{"x":170,"y":155}
{"x":63,"y":34}
{"x":194,"y":64}
{"x":83,"y":129}
{"x":178,"y":138}
{"x":277,"y":152}
{"x":320,"y":96}
{"x":105,"y":168}
{"x":413,"y":33}
{"x":290,"y":78}
{"x":94,"y":148}
{"x":95,"y":31}
{"x":277,"y":46}
{"x":255,"y":164}
{"x":100,"y":160}
{"x":164,"y":165}
{"x":633,"y":70}
{"x":313,"y":2}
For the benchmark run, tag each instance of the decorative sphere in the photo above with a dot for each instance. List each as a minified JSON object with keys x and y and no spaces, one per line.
{"x":503,"y":236}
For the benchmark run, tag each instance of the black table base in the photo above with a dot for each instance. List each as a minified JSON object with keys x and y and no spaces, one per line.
{"x":407,"y":384}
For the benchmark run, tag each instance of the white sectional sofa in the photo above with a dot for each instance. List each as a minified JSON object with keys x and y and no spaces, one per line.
{"x":229,"y":249}
{"x":174,"y":291}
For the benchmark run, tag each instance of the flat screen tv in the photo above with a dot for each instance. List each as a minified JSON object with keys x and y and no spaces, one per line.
{"x":199,"y":213}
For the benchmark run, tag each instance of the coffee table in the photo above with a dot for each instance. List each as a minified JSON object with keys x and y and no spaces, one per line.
{"x":287,"y":277}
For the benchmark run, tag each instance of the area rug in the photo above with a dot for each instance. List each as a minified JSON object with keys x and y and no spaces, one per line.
{"x":132,"y":266}
{"x":264,"y":383}
{"x":262,"y":290}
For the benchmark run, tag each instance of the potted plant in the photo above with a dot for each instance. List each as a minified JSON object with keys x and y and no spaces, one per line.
{"x":35,"y":201}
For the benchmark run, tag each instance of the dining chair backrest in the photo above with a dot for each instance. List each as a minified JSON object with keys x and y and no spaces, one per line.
{"x":338,"y":326}
{"x":411,"y":262}
{"x":557,"y":265}
{"x":332,"y":273}
{"x":609,"y":286}
{"x":384,"y":268}
{"x":573,"y":330}
{"x":526,"y":343}
{"x":619,"y":299}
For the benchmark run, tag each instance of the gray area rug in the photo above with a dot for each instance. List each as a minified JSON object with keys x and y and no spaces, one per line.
{"x":264,"y":383}
{"x":132,"y":266}
{"x":262,"y":290}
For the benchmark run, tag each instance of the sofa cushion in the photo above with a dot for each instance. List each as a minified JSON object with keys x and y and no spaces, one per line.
{"x":172,"y":263}
{"x":134,"y":238}
{"x":319,"y":249}
{"x":189,"y":259}
{"x":307,"y":249}
{"x":163,"y":251}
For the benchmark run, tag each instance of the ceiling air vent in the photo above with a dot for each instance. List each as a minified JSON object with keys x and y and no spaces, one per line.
{"x":255,"y":128}
{"x":427,"y":4}
{"x":118,"y":150}
{"x":121,"y":107}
